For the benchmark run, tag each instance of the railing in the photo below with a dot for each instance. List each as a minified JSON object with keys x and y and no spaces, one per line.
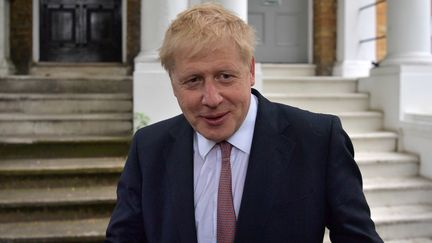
{"x":372,"y":39}
{"x":371,"y":5}
{"x":376,"y":38}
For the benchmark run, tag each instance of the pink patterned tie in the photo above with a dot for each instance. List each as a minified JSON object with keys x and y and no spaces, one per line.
{"x":226,"y":218}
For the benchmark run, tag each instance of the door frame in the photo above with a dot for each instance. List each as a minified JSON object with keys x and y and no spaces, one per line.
{"x":36,"y":30}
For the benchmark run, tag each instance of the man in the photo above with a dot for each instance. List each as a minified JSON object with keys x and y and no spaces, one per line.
{"x":235,"y":166}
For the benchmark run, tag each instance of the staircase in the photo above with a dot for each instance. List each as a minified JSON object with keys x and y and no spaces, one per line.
{"x":400,"y":200}
{"x":64,"y":138}
{"x":63,"y":143}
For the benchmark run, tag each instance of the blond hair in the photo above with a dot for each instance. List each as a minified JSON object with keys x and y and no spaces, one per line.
{"x":201,"y":28}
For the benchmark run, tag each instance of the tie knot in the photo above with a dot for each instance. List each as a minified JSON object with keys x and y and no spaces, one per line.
{"x":226,"y":150}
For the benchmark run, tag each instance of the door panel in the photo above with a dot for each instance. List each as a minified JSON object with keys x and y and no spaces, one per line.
{"x":282,"y":30}
{"x":80,"y":30}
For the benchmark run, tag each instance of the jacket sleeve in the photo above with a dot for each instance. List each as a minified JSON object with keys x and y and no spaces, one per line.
{"x":348,"y":214}
{"x":126,"y":224}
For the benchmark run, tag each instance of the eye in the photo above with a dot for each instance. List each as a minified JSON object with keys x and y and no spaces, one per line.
{"x":224,"y":77}
{"x":192,"y":82}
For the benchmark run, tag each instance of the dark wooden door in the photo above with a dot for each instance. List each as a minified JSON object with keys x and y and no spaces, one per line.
{"x":80,"y":30}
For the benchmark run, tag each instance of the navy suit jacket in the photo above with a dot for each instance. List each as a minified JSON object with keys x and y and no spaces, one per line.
{"x":301,"y":178}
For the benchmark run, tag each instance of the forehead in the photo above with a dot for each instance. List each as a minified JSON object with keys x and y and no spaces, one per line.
{"x":220,"y":56}
{"x":211,"y":52}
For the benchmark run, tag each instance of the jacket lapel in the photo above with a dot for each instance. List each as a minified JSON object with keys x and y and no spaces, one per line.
{"x":179,"y":165}
{"x":270,"y":155}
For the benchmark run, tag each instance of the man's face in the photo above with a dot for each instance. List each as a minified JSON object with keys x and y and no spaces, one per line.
{"x":213,"y":89}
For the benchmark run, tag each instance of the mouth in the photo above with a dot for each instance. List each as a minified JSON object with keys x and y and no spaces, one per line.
{"x":215,"y":119}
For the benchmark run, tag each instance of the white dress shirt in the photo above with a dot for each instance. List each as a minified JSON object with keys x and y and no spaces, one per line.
{"x":207,"y":167}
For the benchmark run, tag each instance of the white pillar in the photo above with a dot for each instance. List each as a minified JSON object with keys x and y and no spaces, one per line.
{"x":408,"y":32}
{"x":6,"y":66}
{"x":155,"y":19}
{"x":152,"y":92}
{"x":240,"y":7}
{"x":354,"y":25}
{"x":401,"y":86}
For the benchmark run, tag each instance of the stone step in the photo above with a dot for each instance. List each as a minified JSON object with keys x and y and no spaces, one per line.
{"x":53,"y":69}
{"x":28,"y":167}
{"x":325,"y":103}
{"x":60,"y":172}
{"x":78,"y":230}
{"x":46,"y":197}
{"x":47,"y":85}
{"x":65,"y":124}
{"x":387,"y":164}
{"x":305,"y":85}
{"x":65,"y":103}
{"x":361,"y":121}
{"x":403,"y":222}
{"x":72,"y":146}
{"x":287,"y":70}
{"x":374,"y":141}
{"x":413,"y":240}
{"x":397,"y":191}
{"x":56,"y":203}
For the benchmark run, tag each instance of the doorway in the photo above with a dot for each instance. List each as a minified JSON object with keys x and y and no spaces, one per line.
{"x":80,"y":30}
{"x":282,"y":28}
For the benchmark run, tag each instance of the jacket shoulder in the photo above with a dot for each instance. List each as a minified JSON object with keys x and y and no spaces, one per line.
{"x":160,"y":131}
{"x":303,"y":118}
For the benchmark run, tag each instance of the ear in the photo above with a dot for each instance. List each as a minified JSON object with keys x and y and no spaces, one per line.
{"x":252,"y":72}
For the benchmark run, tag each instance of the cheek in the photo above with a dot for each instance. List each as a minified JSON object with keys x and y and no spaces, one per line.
{"x":187,"y":100}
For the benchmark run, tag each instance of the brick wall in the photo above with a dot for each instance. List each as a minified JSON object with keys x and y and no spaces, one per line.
{"x":324,"y":36}
{"x":21,"y":34}
{"x":381,"y":30}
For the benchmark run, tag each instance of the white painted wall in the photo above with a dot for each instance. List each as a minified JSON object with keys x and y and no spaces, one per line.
{"x":417,"y":138}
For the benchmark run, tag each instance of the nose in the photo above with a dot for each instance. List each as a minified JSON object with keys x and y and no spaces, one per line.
{"x":211,"y":96}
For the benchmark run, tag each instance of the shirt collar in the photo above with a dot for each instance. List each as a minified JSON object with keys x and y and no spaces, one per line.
{"x":241,"y":139}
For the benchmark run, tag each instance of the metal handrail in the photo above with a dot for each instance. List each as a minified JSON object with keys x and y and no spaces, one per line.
{"x":371,"y":5}
{"x":372,"y":39}
{"x":376,"y":37}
